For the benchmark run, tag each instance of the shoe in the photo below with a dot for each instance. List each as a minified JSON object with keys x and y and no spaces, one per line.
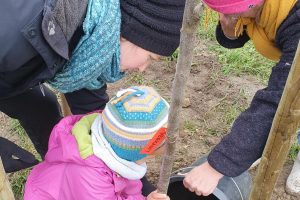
{"x":293,"y":181}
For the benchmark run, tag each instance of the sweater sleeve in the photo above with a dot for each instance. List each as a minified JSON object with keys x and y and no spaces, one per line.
{"x":246,"y":140}
{"x":229,"y":43}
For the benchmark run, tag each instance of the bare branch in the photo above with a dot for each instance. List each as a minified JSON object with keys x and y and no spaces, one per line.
{"x":187,"y":44}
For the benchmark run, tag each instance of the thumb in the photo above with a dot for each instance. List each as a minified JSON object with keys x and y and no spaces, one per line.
{"x":159,"y":195}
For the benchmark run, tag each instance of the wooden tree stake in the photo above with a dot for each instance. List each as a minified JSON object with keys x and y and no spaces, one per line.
{"x":5,"y":189}
{"x":187,"y":44}
{"x":64,"y":105}
{"x":281,"y":135}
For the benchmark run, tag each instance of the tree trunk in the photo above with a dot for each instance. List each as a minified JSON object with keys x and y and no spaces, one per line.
{"x":5,"y":189}
{"x":281,"y":135}
{"x":187,"y":43}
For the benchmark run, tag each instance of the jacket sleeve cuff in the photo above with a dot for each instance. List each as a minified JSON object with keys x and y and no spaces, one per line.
{"x":230,"y":43}
{"x":223,"y":164}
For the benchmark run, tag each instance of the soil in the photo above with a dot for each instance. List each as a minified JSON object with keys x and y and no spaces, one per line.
{"x":211,"y":101}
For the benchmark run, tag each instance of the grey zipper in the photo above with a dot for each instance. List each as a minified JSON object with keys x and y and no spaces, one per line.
{"x":42,"y":89}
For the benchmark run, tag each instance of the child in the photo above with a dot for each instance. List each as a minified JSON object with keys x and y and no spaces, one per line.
{"x":101,"y":156}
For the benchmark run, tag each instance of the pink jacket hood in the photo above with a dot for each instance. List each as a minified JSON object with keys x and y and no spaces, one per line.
{"x":64,"y":175}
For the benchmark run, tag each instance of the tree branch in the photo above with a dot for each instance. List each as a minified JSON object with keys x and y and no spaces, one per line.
{"x":187,"y":44}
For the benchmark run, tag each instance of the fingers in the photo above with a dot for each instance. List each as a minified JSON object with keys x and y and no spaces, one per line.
{"x":202,"y":180}
{"x":201,"y":188}
{"x":160,"y":196}
{"x":157,"y":196}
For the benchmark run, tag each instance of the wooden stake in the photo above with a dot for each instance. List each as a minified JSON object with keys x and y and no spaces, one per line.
{"x":187,"y":44}
{"x":281,"y":135}
{"x":5,"y":189}
{"x":64,"y":105}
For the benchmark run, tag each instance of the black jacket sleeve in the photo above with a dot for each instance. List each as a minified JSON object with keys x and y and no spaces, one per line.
{"x":246,"y":140}
{"x":228,"y":43}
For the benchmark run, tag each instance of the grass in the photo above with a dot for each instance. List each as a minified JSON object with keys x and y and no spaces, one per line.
{"x":294,"y":151}
{"x":207,"y":25}
{"x":19,"y":178}
{"x":173,"y":57}
{"x":230,"y":109}
{"x":137,"y":78}
{"x":241,"y":61}
{"x":190,"y":127}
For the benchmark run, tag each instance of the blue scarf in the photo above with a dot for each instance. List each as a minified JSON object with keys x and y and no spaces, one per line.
{"x":96,"y":58}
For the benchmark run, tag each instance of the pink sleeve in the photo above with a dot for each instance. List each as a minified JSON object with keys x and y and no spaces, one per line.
{"x":131,"y":197}
{"x":95,"y":183}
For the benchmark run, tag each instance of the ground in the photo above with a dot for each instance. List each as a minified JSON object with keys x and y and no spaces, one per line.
{"x":212,"y":101}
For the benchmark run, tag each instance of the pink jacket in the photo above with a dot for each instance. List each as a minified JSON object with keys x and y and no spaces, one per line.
{"x":64,"y":175}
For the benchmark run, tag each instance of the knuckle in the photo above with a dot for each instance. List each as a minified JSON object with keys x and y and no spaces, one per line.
{"x":206,"y":193}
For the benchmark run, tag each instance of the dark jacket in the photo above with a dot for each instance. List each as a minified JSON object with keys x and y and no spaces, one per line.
{"x":247,"y":138}
{"x":27,"y":57}
{"x":35,"y":41}
{"x":38,"y":36}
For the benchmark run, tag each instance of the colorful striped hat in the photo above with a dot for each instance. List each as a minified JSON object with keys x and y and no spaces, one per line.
{"x":134,"y":120}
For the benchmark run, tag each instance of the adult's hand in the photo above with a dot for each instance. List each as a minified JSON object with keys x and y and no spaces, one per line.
{"x":202,"y":179}
{"x":228,"y":23}
{"x":14,"y":158}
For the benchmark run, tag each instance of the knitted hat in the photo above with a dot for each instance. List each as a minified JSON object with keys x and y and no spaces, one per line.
{"x":152,"y":25}
{"x":133,"y":122}
{"x":231,"y":6}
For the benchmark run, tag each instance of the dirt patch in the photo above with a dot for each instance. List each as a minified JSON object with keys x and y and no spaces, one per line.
{"x":279,"y":192}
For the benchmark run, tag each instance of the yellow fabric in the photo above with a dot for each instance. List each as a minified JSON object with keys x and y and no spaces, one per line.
{"x":81,"y":132}
{"x":207,"y":16}
{"x":263,"y":33}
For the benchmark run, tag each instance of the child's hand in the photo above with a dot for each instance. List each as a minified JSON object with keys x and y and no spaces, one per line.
{"x":202,"y":179}
{"x":157,"y":196}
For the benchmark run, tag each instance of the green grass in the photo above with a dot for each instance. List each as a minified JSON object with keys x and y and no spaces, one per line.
{"x":19,"y":178}
{"x":190,"y":127}
{"x":173,"y":57}
{"x":242,"y":61}
{"x":207,"y":25}
{"x":230,"y":109}
{"x":17,"y":181}
{"x":137,"y":78}
{"x":294,"y":151}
